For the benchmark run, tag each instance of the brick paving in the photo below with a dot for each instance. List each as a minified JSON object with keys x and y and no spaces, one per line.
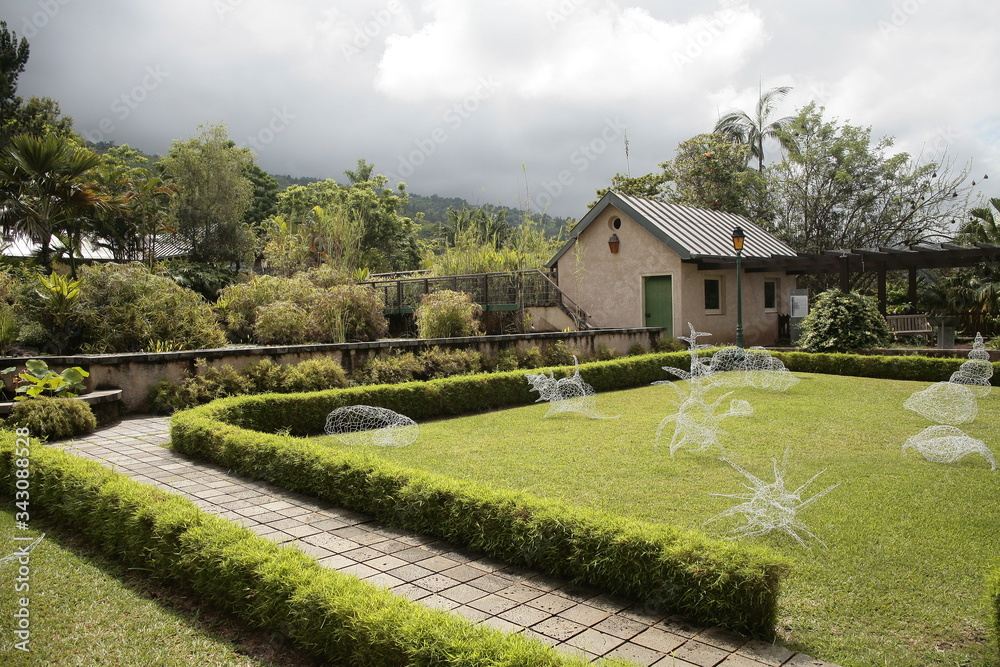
{"x":513,"y":599}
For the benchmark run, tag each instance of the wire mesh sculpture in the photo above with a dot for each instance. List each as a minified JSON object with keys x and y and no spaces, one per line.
{"x":753,"y":367}
{"x":699,"y":367}
{"x":369,"y":425}
{"x":698,"y":422}
{"x":568,"y":394}
{"x":947,"y":444}
{"x":944,"y":403}
{"x":768,"y":507}
{"x":977,"y":371}
{"x":21,"y":552}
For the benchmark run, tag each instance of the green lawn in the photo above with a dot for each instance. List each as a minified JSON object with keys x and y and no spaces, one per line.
{"x":86,"y":610}
{"x":909,"y":541}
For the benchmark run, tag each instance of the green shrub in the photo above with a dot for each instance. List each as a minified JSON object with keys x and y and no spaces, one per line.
{"x":53,"y":418}
{"x":668,"y":344}
{"x":348,"y":312}
{"x":529,"y":357}
{"x":559,"y":354}
{"x":506,"y":360}
{"x":315,"y":375}
{"x":890,"y":367}
{"x":33,"y":334}
{"x":265,"y":376}
{"x":238,"y":304}
{"x":713,"y":581}
{"x":124,"y":307}
{"x":207,"y":384}
{"x":337,"y":618}
{"x":282,"y":323}
{"x":439,"y":363}
{"x":9,"y":327}
{"x":389,"y":369}
{"x":448,"y":314}
{"x":207,"y":279}
{"x":327,"y":276}
{"x":842,"y":322}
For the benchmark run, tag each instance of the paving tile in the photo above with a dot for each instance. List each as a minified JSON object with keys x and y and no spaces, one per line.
{"x":658,"y":640}
{"x":410,"y":572}
{"x":359,"y":570}
{"x":609,"y":604}
{"x":551,"y":603}
{"x":520,"y":592}
{"x":471,"y":613}
{"x":385,"y":563}
{"x":429,"y":559}
{"x":539,"y":637}
{"x":594,"y":641}
{"x":432,"y":582}
{"x":703,"y":655}
{"x":584,"y":614}
{"x":500,"y":624}
{"x":558,"y":628}
{"x":383,"y":579}
{"x":724,"y":639}
{"x":524,"y":616}
{"x":492,"y":604}
{"x":302,"y":530}
{"x":620,"y":627}
{"x":769,"y":654}
{"x":462,"y":573}
{"x":803,"y":660}
{"x":411,"y":591}
{"x":439,"y":602}
{"x":365,"y":553}
{"x":463,"y":593}
{"x":390,"y":547}
{"x":679,"y":626}
{"x":336,"y":561}
{"x":491,"y":583}
{"x":737,"y":660}
{"x":639,"y":654}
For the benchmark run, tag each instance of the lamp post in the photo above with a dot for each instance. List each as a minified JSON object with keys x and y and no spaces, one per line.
{"x":738,"y":237}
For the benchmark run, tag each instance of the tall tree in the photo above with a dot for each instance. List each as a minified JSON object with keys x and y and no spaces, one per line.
{"x":214,"y":196}
{"x":45,"y":186}
{"x":13,"y":58}
{"x":838,"y":188}
{"x":752,"y":130}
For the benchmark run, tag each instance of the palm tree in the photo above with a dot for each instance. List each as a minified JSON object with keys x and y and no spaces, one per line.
{"x":43,"y":188}
{"x":740,"y":128}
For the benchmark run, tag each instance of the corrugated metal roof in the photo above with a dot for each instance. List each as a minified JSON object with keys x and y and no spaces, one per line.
{"x":168,"y":246}
{"x":688,"y":231}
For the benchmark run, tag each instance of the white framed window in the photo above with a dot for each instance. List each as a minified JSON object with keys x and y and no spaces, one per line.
{"x":713,"y":295}
{"x":770,"y":296}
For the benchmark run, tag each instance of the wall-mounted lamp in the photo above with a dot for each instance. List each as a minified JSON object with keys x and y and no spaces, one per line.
{"x":614,"y":243}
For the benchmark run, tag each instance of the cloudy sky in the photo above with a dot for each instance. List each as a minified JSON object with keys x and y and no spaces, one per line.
{"x":509,"y":101}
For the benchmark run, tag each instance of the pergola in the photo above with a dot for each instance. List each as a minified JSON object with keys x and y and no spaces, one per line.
{"x":866,"y":260}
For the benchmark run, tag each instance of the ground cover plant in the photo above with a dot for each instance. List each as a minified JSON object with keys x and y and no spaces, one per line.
{"x":910,"y":543}
{"x":89,"y":610}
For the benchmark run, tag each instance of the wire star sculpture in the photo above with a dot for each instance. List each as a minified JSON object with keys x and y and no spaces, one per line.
{"x":768,"y":507}
{"x":697,"y":422}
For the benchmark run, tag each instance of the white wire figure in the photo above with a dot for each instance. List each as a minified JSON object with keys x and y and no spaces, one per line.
{"x":944,"y":403}
{"x":369,"y":425}
{"x":947,"y":444}
{"x":977,"y":371}
{"x":698,"y":422}
{"x":753,"y":367}
{"x":699,"y":367}
{"x":768,"y":507}
{"x":568,"y":394}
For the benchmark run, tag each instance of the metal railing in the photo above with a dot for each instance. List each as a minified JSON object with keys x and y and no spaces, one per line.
{"x":512,"y":290}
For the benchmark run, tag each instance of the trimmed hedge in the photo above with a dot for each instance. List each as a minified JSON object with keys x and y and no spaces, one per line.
{"x":889,"y":367}
{"x":993,"y":590}
{"x":336,"y":617}
{"x":713,"y":581}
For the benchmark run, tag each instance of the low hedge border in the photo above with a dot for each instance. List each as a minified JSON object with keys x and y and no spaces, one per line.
{"x":886,"y":367}
{"x":336,"y":617}
{"x":713,"y":581}
{"x":993,"y":591}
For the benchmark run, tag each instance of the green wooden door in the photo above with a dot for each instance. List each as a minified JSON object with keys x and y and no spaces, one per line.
{"x":659,"y":303}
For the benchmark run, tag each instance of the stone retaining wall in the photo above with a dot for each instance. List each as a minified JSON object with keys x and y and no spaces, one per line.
{"x":135,"y":374}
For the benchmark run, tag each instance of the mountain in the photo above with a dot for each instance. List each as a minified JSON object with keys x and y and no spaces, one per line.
{"x":435,"y":213}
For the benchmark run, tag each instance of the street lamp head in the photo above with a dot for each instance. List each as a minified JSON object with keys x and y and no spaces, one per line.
{"x":738,"y":237}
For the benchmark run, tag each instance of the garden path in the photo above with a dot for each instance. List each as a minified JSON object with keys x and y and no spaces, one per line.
{"x":513,"y":599}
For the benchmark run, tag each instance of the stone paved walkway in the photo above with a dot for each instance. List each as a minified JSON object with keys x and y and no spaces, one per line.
{"x":432,"y":572}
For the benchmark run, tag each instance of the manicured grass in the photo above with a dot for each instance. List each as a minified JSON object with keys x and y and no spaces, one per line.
{"x":86,"y":610}
{"x":910,"y":542}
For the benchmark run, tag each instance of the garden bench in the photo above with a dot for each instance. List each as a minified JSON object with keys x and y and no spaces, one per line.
{"x":910,"y":325}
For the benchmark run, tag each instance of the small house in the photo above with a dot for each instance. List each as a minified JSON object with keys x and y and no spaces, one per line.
{"x":637,"y":262}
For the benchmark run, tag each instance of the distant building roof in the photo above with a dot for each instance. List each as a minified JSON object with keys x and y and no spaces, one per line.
{"x":168,"y":246}
{"x":689,"y":232}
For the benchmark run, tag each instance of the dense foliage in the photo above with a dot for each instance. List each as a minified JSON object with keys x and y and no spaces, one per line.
{"x":53,"y":418}
{"x":843,"y":322}
{"x":448,"y":314}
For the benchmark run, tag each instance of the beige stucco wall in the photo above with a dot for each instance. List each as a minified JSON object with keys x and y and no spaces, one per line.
{"x":609,"y":286}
